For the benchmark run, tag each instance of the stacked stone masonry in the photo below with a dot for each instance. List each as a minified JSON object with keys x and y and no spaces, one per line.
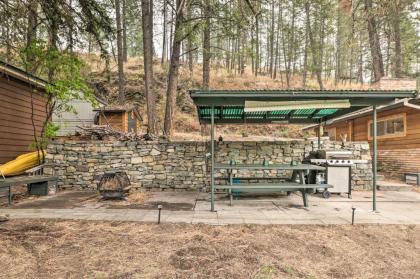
{"x":185,"y":165}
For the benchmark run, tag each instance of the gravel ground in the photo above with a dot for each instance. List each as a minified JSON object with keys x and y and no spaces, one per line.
{"x":86,"y":249}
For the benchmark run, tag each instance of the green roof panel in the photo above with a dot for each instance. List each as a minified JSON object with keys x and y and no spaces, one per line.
{"x":229,"y":104}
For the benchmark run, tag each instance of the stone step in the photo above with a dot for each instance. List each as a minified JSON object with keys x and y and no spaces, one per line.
{"x":393,"y":186}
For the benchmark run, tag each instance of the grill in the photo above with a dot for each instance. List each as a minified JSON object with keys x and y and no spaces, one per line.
{"x":338,"y":169}
{"x":114,"y":185}
{"x":337,"y":162}
{"x":337,"y":158}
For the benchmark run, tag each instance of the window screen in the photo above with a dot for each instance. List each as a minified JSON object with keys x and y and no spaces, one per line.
{"x":393,"y":126}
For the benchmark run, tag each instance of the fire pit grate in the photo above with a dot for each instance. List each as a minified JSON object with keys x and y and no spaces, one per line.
{"x":114,"y":185}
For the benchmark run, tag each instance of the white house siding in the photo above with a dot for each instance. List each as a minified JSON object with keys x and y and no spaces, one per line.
{"x":69,"y":121}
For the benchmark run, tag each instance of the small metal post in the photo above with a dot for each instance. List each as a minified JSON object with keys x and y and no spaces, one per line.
{"x":319,"y":136}
{"x":212,"y":159}
{"x":352,"y":215}
{"x":10,"y":195}
{"x":160,"y":209}
{"x":375,"y":157}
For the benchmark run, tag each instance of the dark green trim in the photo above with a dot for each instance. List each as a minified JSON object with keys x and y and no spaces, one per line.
{"x":229,"y":104}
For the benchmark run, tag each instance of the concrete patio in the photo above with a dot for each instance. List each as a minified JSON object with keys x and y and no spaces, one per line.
{"x":193,"y":207}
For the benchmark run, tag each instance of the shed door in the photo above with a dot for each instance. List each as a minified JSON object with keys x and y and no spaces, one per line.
{"x":132,"y":122}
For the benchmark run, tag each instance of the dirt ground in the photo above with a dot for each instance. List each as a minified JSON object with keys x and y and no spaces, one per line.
{"x":87,"y":249}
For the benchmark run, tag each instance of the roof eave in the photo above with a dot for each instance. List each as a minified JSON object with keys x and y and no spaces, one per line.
{"x":14,"y":72}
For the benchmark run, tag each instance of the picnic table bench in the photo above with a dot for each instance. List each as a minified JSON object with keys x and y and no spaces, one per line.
{"x":298,"y":171}
{"x":37,"y":184}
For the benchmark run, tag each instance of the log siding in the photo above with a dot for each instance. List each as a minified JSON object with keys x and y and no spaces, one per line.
{"x":16,"y":129}
{"x":397,"y":154}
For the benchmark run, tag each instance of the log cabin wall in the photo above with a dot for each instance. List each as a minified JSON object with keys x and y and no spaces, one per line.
{"x":116,"y":120}
{"x":16,"y":129}
{"x":397,"y":154}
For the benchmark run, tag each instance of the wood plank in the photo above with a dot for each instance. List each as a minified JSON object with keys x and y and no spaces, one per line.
{"x":11,"y":154}
{"x":15,"y":111}
{"x":18,"y":137}
{"x":287,"y":186}
{"x":13,"y":124}
{"x":22,"y":109}
{"x":16,"y":131}
{"x":24,"y":91}
{"x":21,"y":94}
{"x":13,"y":142}
{"x":15,"y":148}
{"x":23,"y":120}
{"x":5,"y":97}
{"x":27,"y":179}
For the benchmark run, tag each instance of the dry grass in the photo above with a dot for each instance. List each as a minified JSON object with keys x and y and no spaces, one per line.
{"x":138,"y":197}
{"x":82,"y":249}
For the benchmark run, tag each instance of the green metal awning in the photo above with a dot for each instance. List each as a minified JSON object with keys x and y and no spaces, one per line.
{"x":287,"y":106}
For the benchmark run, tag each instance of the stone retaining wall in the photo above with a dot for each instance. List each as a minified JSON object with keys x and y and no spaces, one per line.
{"x":179,"y":165}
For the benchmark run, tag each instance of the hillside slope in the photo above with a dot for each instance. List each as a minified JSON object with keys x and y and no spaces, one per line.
{"x":186,"y":122}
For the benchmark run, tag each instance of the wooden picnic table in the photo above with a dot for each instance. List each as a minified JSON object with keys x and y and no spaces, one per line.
{"x":299,"y":171}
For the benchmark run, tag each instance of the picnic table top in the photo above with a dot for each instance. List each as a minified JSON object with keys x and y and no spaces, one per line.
{"x":269,"y":167}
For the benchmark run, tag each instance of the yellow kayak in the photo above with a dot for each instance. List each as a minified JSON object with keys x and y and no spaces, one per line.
{"x":22,"y":163}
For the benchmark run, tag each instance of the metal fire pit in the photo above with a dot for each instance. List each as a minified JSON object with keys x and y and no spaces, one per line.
{"x":114,"y":185}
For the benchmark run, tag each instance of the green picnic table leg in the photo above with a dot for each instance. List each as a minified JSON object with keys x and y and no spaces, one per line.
{"x":230,"y":190}
{"x":303,"y":191}
{"x":294,"y":175}
{"x":305,"y":198}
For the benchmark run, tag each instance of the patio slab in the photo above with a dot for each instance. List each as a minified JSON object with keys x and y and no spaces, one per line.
{"x":393,"y":208}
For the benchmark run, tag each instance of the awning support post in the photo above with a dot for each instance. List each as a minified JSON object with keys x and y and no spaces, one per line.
{"x":212,"y":159}
{"x":375,"y":157}
{"x":319,"y":136}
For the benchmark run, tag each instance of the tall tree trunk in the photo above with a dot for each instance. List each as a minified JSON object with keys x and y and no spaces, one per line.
{"x":396,"y":6}
{"x":285,"y":50}
{"x":353,"y":20}
{"x":252,"y":51}
{"x":388,"y":51}
{"x":31,"y":34}
{"x":227,"y":54}
{"x":171,"y":32}
{"x":337,"y":71}
{"x":52,"y":36}
{"x":360,"y":62}
{"x":375,"y":47}
{"x":124,"y":30}
{"x":206,"y":45}
{"x":173,"y":69}
{"x":164,"y":27}
{"x":190,"y":47}
{"x":242,"y":54}
{"x":276,"y":58}
{"x":147,"y":24}
{"x":291,"y":46}
{"x":305,"y":54}
{"x":316,"y":64}
{"x":272,"y":39}
{"x":321,"y":45}
{"x":71,"y":31}
{"x":257,"y":45}
{"x":120,"y":60}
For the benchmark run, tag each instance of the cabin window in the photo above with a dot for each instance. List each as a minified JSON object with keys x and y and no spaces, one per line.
{"x":388,"y":127}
